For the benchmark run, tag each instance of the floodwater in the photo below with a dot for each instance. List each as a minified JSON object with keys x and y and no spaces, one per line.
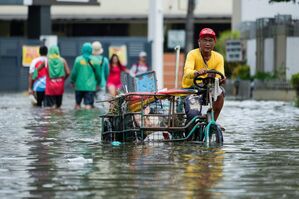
{"x":59,"y":154}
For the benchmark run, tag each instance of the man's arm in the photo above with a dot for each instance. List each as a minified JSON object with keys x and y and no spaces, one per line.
{"x":133,"y":69}
{"x":220,"y":68}
{"x":42,"y":65}
{"x":30,"y":83}
{"x":31,"y":70}
{"x":74,"y":71}
{"x":220,"y":65}
{"x":66,"y":69}
{"x":97,"y":66}
{"x":189,"y":71}
{"x":106,"y":67}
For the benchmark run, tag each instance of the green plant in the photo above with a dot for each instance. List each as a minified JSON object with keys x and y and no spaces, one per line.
{"x":229,"y":68}
{"x":280,"y":73}
{"x":223,"y":37}
{"x":264,"y":76}
{"x":295,"y":80}
{"x":242,"y":71}
{"x":295,"y":84}
{"x":220,"y":47}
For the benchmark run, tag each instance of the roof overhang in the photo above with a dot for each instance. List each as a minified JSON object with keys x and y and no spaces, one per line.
{"x":49,"y":2}
{"x":123,"y":19}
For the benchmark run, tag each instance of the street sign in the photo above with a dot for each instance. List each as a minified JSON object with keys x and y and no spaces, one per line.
{"x":234,"y":51}
{"x":49,"y":40}
{"x":176,"y":38}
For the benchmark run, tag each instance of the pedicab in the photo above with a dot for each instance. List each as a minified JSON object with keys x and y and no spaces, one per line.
{"x":150,"y":115}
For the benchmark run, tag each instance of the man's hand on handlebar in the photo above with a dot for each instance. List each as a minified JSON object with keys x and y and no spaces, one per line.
{"x":200,"y":72}
{"x":211,"y":76}
{"x":223,"y":80}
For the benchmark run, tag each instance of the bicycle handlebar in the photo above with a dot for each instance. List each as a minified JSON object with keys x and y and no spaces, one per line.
{"x":198,"y":78}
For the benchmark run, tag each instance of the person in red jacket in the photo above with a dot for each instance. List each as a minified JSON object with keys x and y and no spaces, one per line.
{"x":57,"y":72}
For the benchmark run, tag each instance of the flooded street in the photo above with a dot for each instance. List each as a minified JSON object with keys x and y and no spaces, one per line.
{"x":59,"y":154}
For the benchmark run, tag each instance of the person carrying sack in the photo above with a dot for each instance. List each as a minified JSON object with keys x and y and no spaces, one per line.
{"x":85,"y":77}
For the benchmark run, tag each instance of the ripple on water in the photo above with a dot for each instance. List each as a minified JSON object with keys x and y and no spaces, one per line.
{"x":49,"y":154}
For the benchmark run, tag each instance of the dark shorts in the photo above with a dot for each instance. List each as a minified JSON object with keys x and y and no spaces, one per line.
{"x":53,"y":100}
{"x":87,"y":96}
{"x":40,"y":96}
{"x":193,"y":104}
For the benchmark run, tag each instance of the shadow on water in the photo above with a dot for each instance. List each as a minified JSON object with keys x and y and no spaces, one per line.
{"x":59,"y":154}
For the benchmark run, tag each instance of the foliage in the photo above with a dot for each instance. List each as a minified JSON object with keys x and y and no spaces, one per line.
{"x":242,"y":71}
{"x":295,"y":83}
{"x":280,"y":73}
{"x":295,"y":80}
{"x":224,"y":36}
{"x":229,"y":67}
{"x":297,"y":102}
{"x":264,"y":76}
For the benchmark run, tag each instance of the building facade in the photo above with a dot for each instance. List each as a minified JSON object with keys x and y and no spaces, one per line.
{"x":104,"y":20}
{"x":270,"y":35}
{"x":118,"y":18}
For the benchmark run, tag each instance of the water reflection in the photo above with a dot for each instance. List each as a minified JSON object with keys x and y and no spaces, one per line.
{"x":157,"y":171}
{"x":62,"y":156}
{"x":43,"y":169}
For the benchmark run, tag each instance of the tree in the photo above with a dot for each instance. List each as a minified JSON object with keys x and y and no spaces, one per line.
{"x":189,"y":26}
{"x":223,"y":37}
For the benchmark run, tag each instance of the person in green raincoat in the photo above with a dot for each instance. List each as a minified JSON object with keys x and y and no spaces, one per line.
{"x":56,"y":74}
{"x":86,"y":77}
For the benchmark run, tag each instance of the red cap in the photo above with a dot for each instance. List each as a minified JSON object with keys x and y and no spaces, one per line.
{"x":207,"y":32}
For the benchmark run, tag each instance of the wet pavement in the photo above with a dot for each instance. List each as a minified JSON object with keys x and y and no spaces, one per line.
{"x":59,"y":154}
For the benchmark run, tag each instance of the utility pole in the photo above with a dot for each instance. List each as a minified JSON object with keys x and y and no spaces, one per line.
{"x":155,"y":36}
{"x":190,"y":26}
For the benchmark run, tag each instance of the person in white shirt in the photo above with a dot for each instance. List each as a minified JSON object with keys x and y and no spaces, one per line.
{"x":141,"y":66}
{"x":37,"y":79}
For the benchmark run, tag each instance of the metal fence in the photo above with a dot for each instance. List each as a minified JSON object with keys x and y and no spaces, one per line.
{"x":273,"y":85}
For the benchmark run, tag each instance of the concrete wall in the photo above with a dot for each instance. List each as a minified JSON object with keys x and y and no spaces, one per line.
{"x":269,"y":55}
{"x":277,"y":95}
{"x":253,"y":9}
{"x":280,"y":54}
{"x":114,"y":9}
{"x":169,"y":70}
{"x":251,"y":55}
{"x":262,"y":91}
{"x":292,"y":61}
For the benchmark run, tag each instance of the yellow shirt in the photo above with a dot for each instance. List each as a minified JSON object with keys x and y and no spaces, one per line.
{"x":194,"y":62}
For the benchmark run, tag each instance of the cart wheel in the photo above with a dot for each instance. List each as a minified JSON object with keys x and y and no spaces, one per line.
{"x":107,"y":127}
{"x":215,"y":134}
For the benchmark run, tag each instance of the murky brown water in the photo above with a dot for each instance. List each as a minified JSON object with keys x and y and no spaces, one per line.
{"x":58,"y":154}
